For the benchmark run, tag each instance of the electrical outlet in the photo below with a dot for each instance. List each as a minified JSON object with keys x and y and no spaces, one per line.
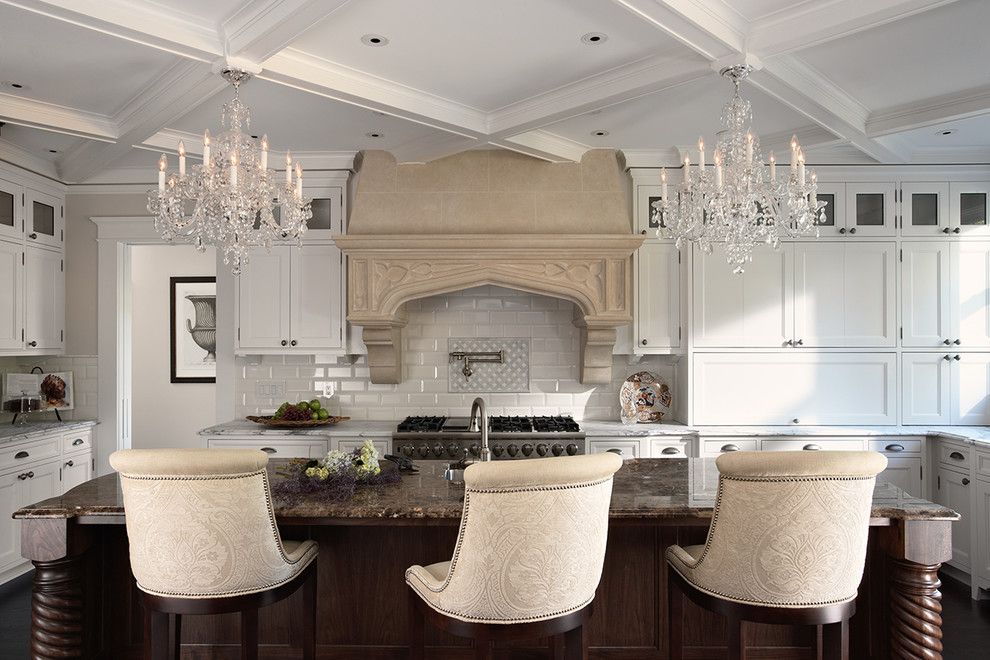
{"x":327,"y":388}
{"x":270,"y":388}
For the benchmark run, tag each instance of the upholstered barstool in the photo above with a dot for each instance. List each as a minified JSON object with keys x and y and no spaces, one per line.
{"x":203,"y":540}
{"x":528,"y":557}
{"x":786,"y":545}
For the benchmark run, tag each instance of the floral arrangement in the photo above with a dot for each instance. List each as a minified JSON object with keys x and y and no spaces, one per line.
{"x":336,"y":475}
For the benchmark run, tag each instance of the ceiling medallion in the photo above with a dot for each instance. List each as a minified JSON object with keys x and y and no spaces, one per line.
{"x":232,"y":201}
{"x":740,"y":203}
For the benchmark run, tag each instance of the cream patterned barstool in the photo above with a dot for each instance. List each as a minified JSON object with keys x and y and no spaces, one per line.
{"x":786,"y":545}
{"x":528,"y":557}
{"x":203,"y":540}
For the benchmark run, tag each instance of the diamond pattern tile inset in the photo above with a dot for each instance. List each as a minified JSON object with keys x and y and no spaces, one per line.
{"x":512,"y":376}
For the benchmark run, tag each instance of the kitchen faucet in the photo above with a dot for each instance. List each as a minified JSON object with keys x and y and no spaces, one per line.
{"x":478,"y":411}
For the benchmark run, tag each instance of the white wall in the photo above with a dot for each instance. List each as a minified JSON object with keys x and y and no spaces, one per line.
{"x":164,"y":414}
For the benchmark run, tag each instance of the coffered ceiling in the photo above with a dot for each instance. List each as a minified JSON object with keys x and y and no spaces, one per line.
{"x":104,"y":81}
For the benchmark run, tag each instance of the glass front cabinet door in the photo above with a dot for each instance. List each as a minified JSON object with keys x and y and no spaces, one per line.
{"x":870,"y":209}
{"x":11,"y":206}
{"x":968,"y":208}
{"x":925,"y":209}
{"x":834,"y":196}
{"x":45,"y":224}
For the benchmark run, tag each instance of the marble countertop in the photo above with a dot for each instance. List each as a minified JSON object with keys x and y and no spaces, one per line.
{"x":647,"y":489}
{"x":17,"y":432}
{"x":350,"y":427}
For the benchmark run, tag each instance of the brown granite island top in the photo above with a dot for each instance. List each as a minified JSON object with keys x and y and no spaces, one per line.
{"x":644,"y":489}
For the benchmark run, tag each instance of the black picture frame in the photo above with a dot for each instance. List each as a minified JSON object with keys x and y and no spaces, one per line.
{"x":172,"y":283}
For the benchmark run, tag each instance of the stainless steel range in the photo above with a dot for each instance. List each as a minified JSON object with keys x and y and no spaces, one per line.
{"x":451,"y":438}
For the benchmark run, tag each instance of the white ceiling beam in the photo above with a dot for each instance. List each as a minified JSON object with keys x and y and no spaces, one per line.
{"x":182,"y":87}
{"x":708,"y":27}
{"x":56,"y":118}
{"x":262,"y":28}
{"x":16,"y":155}
{"x":544,"y":145}
{"x":432,"y":147}
{"x":139,"y":22}
{"x":167,"y":140}
{"x":813,"y":23}
{"x":930,"y":112}
{"x":618,"y":85}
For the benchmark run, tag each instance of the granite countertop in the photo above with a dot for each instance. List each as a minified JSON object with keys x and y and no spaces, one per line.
{"x":351,"y":427}
{"x":16,"y":432}
{"x":647,"y":489}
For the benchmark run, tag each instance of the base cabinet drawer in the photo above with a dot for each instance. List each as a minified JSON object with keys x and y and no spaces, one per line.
{"x":275,"y":448}
{"x":12,"y":458}
{"x":716,"y":446}
{"x":891,"y":447}
{"x":625,"y":447}
{"x":957,"y":457}
{"x":670,"y":448}
{"x":77,"y":441}
{"x":814,"y":444}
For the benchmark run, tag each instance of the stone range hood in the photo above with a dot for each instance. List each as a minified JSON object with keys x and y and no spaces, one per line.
{"x":490,"y":218}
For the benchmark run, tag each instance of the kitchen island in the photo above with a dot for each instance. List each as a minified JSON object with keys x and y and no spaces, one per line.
{"x":85,"y":602}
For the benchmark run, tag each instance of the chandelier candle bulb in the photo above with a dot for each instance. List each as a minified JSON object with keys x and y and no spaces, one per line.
{"x":773,"y":168}
{"x":813,"y":199}
{"x":794,"y":149}
{"x":162,"y":164}
{"x":206,"y":149}
{"x":718,"y":170}
{"x":264,"y":153}
{"x":687,"y":170}
{"x":801,"y":167}
{"x":233,"y":170}
{"x":749,"y":148}
{"x":182,"y":159}
{"x":701,"y":155}
{"x":298,"y":179}
{"x":288,"y":169}
{"x":663,"y":184}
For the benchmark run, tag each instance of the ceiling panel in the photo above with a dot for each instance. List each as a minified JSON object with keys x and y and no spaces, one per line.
{"x":305,"y":122}
{"x":481,"y":53}
{"x":213,"y":11}
{"x":754,"y":10}
{"x":937,"y":52}
{"x":68,"y":65}
{"x":972,"y":132}
{"x":675,"y":116}
{"x":38,"y":142}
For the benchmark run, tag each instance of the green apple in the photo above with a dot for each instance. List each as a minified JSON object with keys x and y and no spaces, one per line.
{"x":314,"y":404}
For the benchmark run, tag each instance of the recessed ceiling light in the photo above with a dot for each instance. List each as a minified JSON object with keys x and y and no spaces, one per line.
{"x":599,"y":133}
{"x":594,"y":38}
{"x":254,"y":137}
{"x":16,"y":86}
{"x":375,"y":134}
{"x":945,"y":131}
{"x":376,"y":40}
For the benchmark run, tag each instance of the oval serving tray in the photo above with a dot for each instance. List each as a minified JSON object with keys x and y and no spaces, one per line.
{"x":266,"y":420}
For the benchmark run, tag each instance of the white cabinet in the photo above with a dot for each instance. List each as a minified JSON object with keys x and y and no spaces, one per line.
{"x":982,"y":525}
{"x":969,"y":206}
{"x":11,"y":211}
{"x":667,"y":447}
{"x":10,"y":536}
{"x":970,"y":297}
{"x":925,"y":209}
{"x":752,"y":309}
{"x":291,"y":300}
{"x":971,"y":388}
{"x":44,"y":299}
{"x":844,"y":294}
{"x":658,"y":300}
{"x":834,"y":196}
{"x":625,"y":447}
{"x":11,"y":296}
{"x":291,"y":446}
{"x":76,"y":470}
{"x":905,"y":473}
{"x":926,"y":388}
{"x":926,"y":312}
{"x":795,"y":388}
{"x":952,"y":489}
{"x":870,"y":209}
{"x":44,"y":219}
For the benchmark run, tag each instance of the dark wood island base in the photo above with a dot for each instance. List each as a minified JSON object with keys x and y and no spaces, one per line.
{"x":85,"y":603}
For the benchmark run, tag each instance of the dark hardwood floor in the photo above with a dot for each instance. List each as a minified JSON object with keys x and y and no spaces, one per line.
{"x":966,"y":622}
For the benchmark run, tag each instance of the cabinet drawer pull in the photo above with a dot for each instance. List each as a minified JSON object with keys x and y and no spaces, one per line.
{"x":32,"y":344}
{"x":25,"y":475}
{"x":21,"y":454}
{"x":33,"y":236}
{"x":269,"y":450}
{"x":894,"y":448}
{"x":812,"y":447}
{"x":77,"y":442}
{"x":956,"y":456}
{"x":68,"y":464}
{"x":965,"y":481}
{"x":614,"y":450}
{"x":729,"y":448}
{"x":670,"y":451}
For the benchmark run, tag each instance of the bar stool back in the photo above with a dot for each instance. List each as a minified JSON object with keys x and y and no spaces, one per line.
{"x":202,"y":540}
{"x":787,"y":544}
{"x":528,"y":557}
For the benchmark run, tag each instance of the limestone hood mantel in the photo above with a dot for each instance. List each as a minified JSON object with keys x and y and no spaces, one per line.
{"x":384,"y":271}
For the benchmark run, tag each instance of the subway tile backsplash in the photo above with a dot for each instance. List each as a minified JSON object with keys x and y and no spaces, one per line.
{"x":489,"y":312}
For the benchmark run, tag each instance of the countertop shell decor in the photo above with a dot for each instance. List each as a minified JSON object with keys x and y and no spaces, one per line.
{"x":645,"y":398}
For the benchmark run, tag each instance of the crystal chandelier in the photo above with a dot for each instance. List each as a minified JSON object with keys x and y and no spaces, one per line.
{"x":740,"y":203}
{"x":232,"y":201}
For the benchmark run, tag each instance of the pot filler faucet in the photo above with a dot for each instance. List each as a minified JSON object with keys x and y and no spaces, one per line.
{"x":479,"y":423}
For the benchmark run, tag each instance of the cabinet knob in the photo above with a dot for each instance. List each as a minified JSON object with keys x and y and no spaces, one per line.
{"x":852,"y":231}
{"x":965,"y":481}
{"x":285,"y":343}
{"x":789,"y":342}
{"x":799,"y":342}
{"x":956,"y":342}
{"x":956,"y":230}
{"x":643,"y":232}
{"x":947,"y":342}
{"x":796,"y":420}
{"x":68,"y":464}
{"x":842,"y":231}
{"x":293,"y":342}
{"x":947,"y":357}
{"x":644,"y":342}
{"x":812,"y":447}
{"x":25,"y":475}
{"x":32,"y":236}
{"x":269,"y":450}
{"x":32,"y":344}
{"x":956,"y":358}
{"x":894,"y":448}
{"x":946,"y":230}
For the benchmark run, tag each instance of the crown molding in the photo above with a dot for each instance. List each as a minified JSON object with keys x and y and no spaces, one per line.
{"x":24,"y":159}
{"x":56,"y":118}
{"x":930,"y":111}
{"x":652,"y":158}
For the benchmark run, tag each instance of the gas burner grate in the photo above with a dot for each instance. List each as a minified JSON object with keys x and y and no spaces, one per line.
{"x":421,"y":424}
{"x":501,"y":424}
{"x":556,"y":424}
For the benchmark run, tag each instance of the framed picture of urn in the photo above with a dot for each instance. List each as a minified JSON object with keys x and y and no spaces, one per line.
{"x":193,"y":314}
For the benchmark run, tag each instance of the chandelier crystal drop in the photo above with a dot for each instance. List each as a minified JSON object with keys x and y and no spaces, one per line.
{"x":739,"y":203}
{"x":232,"y":201}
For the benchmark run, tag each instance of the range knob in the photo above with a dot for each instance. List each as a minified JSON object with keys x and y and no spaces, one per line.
{"x":527,"y":449}
{"x":438,"y":450}
{"x":497,"y":450}
{"x":408,"y":450}
{"x":513,"y":450}
{"x":557,"y":449}
{"x":542,"y":449}
{"x":424,"y":450}
{"x":476,"y":449}
{"x":572,"y":449}
{"x":453,"y":449}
